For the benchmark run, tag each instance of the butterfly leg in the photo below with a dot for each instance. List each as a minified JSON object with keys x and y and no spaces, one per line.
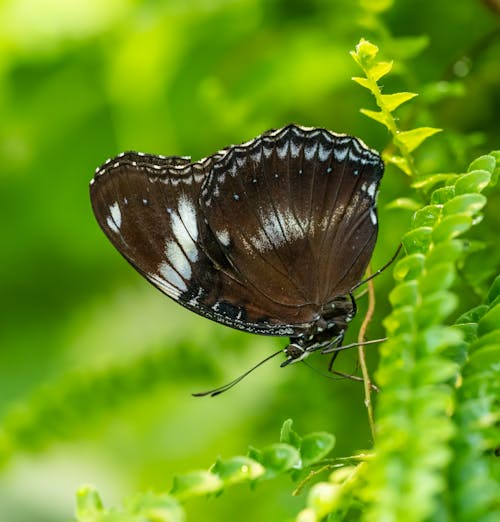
{"x":332,"y":360}
{"x":354,"y":378}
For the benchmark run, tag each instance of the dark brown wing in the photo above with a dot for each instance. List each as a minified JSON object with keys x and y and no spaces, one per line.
{"x":294,"y":213}
{"x":148,"y":207}
{"x":259,"y":236}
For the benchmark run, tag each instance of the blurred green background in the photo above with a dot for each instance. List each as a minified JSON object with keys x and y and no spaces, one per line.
{"x":96,"y":366}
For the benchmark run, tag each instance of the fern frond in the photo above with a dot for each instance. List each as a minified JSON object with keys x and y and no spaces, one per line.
{"x":416,"y":372}
{"x":405,"y":141}
{"x":291,"y":455}
{"x":474,"y":474}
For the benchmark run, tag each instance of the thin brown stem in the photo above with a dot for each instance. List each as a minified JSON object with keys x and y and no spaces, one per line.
{"x":361,"y":354}
{"x":310,"y":475}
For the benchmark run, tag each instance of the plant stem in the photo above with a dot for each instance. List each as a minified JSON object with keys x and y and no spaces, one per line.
{"x":361,"y":354}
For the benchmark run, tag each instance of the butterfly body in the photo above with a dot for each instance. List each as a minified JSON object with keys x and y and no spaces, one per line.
{"x":268,"y":237}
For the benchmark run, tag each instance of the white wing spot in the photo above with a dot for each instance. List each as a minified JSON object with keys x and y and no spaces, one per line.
{"x":194,"y":301}
{"x":111,"y":225}
{"x":116,"y":215}
{"x":309,"y":152}
{"x":294,"y":149}
{"x":183,"y":237}
{"x":171,"y":276}
{"x":373,"y":216}
{"x":272,"y":235}
{"x":178,"y":260}
{"x":267,"y":150}
{"x":255,"y":156}
{"x":371,"y":189}
{"x":323,"y":153}
{"x":223,"y":237}
{"x":340,"y":154}
{"x":282,"y":150}
{"x":188,"y":216}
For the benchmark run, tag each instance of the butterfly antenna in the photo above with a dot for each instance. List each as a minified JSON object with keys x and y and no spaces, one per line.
{"x":380,"y":270}
{"x":234,"y":382}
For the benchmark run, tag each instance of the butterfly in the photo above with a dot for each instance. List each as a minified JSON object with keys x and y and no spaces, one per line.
{"x":270,"y":236}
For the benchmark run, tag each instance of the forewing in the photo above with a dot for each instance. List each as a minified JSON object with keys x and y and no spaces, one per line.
{"x":148,"y":207}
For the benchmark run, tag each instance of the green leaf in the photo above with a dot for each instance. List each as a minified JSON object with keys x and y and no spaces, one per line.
{"x":376,"y":115}
{"x":486,"y":162}
{"x":365,"y":50}
{"x":404,"y":204}
{"x":468,"y":331}
{"x":417,"y":240}
{"x":436,"y":307}
{"x":428,"y":182}
{"x":323,"y":497}
{"x":490,"y":321}
{"x":153,"y":507}
{"x":237,"y":469}
{"x":474,"y":315}
{"x":451,"y":226}
{"x":413,"y":138}
{"x":435,"y":339}
{"x":409,"y":267}
{"x":492,"y":337}
{"x":88,"y":504}
{"x":315,"y":446}
{"x":399,"y":161}
{"x":438,"y":277}
{"x":442,"y":195}
{"x":465,"y":204}
{"x":426,"y":216}
{"x":278,"y":458}
{"x":432,"y":370}
{"x":196,"y":483}
{"x":288,"y":435}
{"x":393,"y":101}
{"x":486,"y":358}
{"x":404,"y":294}
{"x":449,"y":250}
{"x":474,"y":181}
{"x":364,"y":82}
{"x":494,"y":290}
{"x":400,"y":321}
{"x":379,"y":69}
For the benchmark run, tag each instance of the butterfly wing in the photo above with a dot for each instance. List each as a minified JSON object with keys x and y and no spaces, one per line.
{"x":294,"y":212}
{"x":148,"y":207}
{"x":259,"y":236}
